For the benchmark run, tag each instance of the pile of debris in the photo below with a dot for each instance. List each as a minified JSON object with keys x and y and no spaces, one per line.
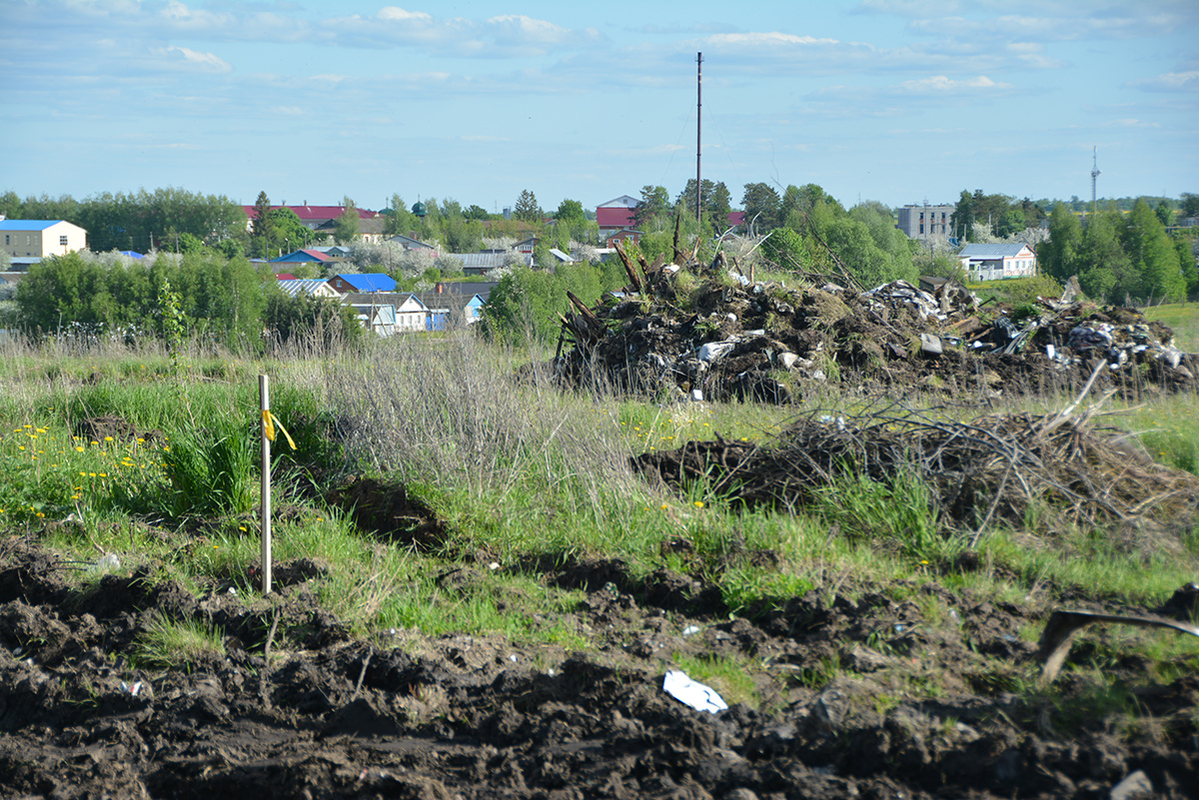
{"x":683,"y":330}
{"x":987,"y":470}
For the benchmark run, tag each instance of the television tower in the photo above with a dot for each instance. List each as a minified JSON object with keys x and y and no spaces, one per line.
{"x":1094,"y":175}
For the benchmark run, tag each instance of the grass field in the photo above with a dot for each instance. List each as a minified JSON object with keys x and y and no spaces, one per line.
{"x":1183,"y":318}
{"x":517,"y":471}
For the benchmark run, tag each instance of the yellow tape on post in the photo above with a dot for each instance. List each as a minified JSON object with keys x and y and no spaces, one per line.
{"x":285,"y":433}
{"x":269,"y":421}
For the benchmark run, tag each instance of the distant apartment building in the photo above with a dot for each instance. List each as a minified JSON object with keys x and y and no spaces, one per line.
{"x":923,"y":222}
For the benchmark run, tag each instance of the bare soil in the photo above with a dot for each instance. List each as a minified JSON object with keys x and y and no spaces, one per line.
{"x":870,"y":698}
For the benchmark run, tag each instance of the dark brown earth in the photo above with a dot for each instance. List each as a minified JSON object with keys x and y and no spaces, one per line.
{"x":875,"y":697}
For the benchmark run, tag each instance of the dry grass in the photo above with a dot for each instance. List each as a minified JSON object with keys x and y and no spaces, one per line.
{"x":450,"y":410}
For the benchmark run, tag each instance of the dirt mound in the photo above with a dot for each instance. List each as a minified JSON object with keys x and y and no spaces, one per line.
{"x":84,"y":714}
{"x":729,"y":338}
{"x":389,"y":511}
{"x":98,"y":429}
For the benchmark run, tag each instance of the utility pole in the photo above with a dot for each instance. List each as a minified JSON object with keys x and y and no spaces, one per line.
{"x":699,"y":105}
{"x":1094,"y":175}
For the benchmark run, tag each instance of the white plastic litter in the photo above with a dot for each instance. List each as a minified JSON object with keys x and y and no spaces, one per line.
{"x":108,"y":562}
{"x":700,"y":697}
{"x":714,"y":350}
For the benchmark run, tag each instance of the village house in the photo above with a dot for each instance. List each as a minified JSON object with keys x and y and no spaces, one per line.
{"x":40,"y":238}
{"x":362,"y":283}
{"x":991,"y":262}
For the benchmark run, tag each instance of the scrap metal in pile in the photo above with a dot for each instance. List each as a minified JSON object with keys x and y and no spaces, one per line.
{"x":990,"y":468}
{"x":685,"y":331}
{"x":1072,"y":333}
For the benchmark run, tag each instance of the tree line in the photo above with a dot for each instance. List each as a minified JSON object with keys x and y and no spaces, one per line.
{"x":164,"y":219}
{"x":1121,"y":257}
{"x":222,"y":301}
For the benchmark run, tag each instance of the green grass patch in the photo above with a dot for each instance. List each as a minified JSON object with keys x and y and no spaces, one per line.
{"x":1183,"y":318}
{"x":174,"y":644}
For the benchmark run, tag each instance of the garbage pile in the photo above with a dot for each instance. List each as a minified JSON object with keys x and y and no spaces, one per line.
{"x":986,"y":470}
{"x":685,"y":331}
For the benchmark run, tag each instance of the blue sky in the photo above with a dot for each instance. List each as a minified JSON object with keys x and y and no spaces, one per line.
{"x":871,"y":99}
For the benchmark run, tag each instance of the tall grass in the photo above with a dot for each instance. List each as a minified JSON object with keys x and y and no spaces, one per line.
{"x":451,"y":412}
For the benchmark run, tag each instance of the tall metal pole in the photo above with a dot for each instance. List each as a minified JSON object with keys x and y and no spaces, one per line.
{"x":699,"y":106}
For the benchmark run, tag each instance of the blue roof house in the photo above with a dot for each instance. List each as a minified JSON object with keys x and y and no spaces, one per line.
{"x":363,"y":283}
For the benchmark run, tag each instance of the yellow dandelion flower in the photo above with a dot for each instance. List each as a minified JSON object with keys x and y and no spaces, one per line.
{"x":79,"y":448}
{"x":109,"y":439}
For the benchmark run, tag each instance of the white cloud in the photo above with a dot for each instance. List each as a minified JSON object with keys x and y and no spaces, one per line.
{"x":528,"y":29}
{"x":395,"y":13}
{"x":1130,"y":122}
{"x":902,"y":8}
{"x":1069,"y":25}
{"x":1169,"y":82}
{"x":203,"y":62}
{"x":942,"y":85}
{"x":768,"y":39}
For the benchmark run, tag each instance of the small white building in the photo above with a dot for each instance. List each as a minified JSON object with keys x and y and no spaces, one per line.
{"x":992,"y":262}
{"x":39,"y":238}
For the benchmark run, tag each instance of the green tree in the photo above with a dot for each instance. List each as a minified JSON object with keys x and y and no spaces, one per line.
{"x":524,"y":306}
{"x":345,"y":227}
{"x":570,"y":212}
{"x":717,"y":203}
{"x":477,"y":212}
{"x":1148,"y":247}
{"x":321,"y":320}
{"x":55,"y":293}
{"x":788,"y":249}
{"x":399,"y":218}
{"x":1190,"y":204}
{"x":463,"y":235}
{"x":652,"y":208}
{"x":526,"y":208}
{"x":763,"y":207}
{"x":963,"y":215}
{"x":290,"y":233}
{"x":1184,"y":245}
{"x":1104,"y":270}
{"x":1058,"y":256}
